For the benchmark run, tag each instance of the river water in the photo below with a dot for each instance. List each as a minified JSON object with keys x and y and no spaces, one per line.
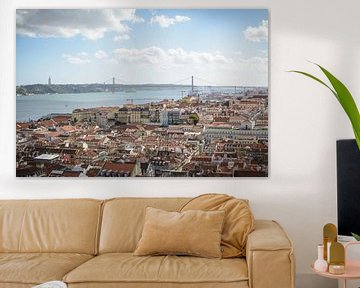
{"x":33,"y":107}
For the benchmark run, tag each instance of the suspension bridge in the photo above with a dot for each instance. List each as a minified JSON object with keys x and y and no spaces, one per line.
{"x":195,"y":84}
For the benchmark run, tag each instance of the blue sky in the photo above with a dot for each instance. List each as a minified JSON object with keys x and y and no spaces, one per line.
{"x":228,"y":47}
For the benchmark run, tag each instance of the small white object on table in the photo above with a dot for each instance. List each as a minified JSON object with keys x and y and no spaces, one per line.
{"x":52,"y":284}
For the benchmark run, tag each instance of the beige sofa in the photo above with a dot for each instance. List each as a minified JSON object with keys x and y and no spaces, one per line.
{"x":89,"y":243}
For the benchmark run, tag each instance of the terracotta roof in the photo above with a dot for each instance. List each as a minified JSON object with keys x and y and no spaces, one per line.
{"x":93,"y":172}
{"x":202,"y":158}
{"x":71,"y":174}
{"x":47,"y":123}
{"x":59,"y":119}
{"x":119,"y":167}
{"x":221,"y":119}
{"x":67,"y":128}
{"x":23,"y":125}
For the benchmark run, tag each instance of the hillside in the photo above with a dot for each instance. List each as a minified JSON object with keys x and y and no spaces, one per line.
{"x":82,"y":88}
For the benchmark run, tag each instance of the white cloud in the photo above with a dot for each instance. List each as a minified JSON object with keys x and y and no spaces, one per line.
{"x":112,"y":61}
{"x":133,"y":18}
{"x":121,"y":37}
{"x":157,"y":65}
{"x":100,"y":54}
{"x":79,"y":58}
{"x":165,"y":21}
{"x":257,"y":34}
{"x":255,"y":63}
{"x":177,"y":56}
{"x":89,"y":23}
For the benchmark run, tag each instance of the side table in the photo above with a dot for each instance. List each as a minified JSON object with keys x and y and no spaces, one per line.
{"x":352,"y":268}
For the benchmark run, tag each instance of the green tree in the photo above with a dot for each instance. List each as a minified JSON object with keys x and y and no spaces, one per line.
{"x":194,"y":118}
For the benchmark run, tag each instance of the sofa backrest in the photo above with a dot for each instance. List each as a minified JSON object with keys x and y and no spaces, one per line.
{"x":67,"y":226}
{"x":123,"y":220}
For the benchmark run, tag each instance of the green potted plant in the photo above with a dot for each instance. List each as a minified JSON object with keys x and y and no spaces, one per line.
{"x":345,"y":99}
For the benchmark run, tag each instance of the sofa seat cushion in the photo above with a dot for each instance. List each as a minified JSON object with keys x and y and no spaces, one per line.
{"x":127,"y":268}
{"x":36,"y":268}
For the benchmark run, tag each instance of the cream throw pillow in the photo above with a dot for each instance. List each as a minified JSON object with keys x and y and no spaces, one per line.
{"x":193,"y":232}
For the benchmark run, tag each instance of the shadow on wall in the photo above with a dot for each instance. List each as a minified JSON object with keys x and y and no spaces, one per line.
{"x":315,"y":281}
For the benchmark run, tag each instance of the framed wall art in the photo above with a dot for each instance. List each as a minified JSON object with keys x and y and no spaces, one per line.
{"x":142,"y":93}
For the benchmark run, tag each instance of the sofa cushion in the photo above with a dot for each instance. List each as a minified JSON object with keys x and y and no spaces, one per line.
{"x":123,"y":220}
{"x":126,"y":268}
{"x":239,"y":220}
{"x":193,"y":232}
{"x":63,"y":226}
{"x":36,"y":268}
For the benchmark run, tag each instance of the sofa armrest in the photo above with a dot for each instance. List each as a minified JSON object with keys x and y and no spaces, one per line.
{"x":269,"y":256}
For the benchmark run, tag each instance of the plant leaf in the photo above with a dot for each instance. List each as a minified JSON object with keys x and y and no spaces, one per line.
{"x":357,"y":137}
{"x":357,"y":237}
{"x":316,"y":79}
{"x":347,"y":102}
{"x":344,"y":97}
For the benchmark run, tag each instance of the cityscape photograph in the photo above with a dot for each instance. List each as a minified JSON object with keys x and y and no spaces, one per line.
{"x":142,"y":93}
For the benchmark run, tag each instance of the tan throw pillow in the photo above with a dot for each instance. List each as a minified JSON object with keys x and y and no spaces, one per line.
{"x":239,"y":220}
{"x":196,"y":233}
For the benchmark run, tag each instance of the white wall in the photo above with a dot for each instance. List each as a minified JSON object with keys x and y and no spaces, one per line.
{"x":305,"y":120}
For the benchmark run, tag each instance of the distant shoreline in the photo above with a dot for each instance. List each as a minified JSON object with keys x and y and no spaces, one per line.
{"x":36,"y":89}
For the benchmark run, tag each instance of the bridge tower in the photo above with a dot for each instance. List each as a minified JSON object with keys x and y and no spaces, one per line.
{"x":113,"y":85}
